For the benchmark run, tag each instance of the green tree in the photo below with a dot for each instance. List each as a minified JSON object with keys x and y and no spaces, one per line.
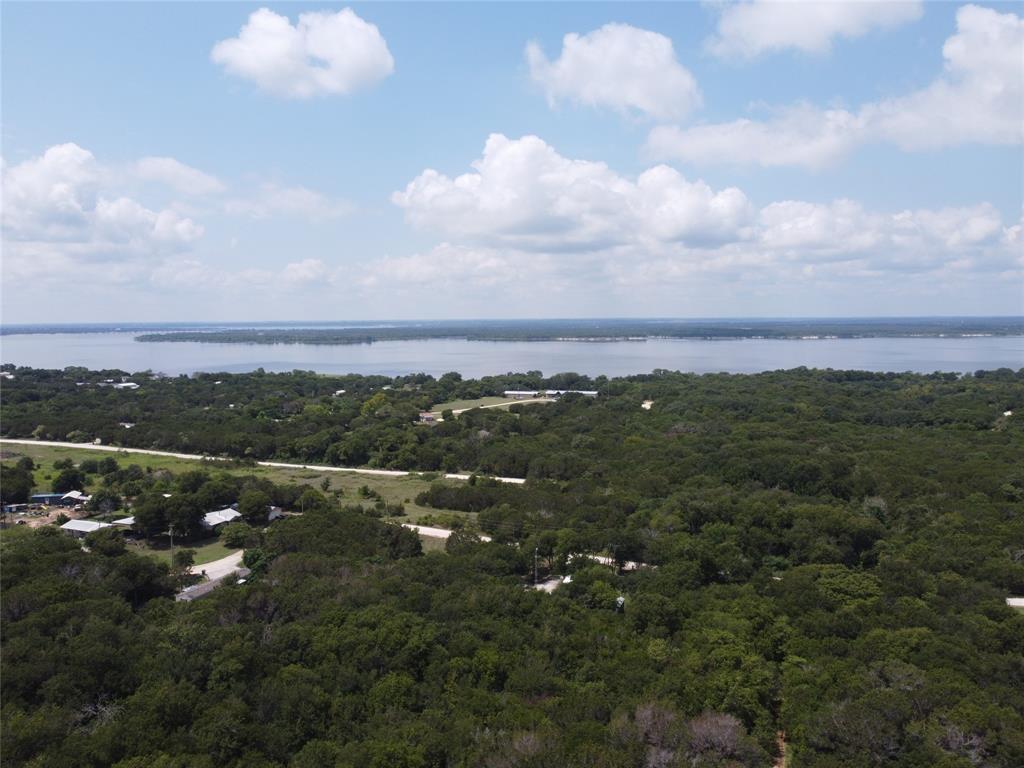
{"x":106,"y":541}
{"x":183,"y":558}
{"x":15,"y":484}
{"x":104,"y":500}
{"x":69,"y":479}
{"x":236,"y":535}
{"x":254,"y":507}
{"x":373,"y":404}
{"x":150,"y":512}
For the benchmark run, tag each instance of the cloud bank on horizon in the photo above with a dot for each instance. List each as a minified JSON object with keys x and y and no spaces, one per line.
{"x":698,"y":216}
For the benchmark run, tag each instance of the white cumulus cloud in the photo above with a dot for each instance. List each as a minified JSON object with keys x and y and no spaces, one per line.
{"x":324,"y":53}
{"x":62,"y":196}
{"x":67,"y":217}
{"x":979,"y":98}
{"x":525,"y":205}
{"x":749,"y":29}
{"x":620,"y":67}
{"x":523,"y":194}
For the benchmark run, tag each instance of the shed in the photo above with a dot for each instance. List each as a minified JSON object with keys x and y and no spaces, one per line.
{"x":74,"y":497}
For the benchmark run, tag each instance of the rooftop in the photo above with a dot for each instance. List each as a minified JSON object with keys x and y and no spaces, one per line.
{"x":83,"y":526}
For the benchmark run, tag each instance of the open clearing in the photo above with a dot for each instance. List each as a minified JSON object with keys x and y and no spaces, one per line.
{"x":394,"y":490}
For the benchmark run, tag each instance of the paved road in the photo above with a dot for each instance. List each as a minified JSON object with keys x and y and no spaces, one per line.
{"x":278,"y":464}
{"x":215,"y":572}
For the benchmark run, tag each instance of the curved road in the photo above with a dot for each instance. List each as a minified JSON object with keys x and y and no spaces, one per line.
{"x":278,"y":464}
{"x":218,"y":569}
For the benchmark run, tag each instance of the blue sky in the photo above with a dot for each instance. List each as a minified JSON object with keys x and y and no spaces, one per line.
{"x":675,"y":159}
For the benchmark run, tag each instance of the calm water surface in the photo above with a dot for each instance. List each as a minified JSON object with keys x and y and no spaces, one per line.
{"x":481,"y":358}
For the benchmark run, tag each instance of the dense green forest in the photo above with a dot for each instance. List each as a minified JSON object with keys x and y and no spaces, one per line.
{"x":824,"y":561}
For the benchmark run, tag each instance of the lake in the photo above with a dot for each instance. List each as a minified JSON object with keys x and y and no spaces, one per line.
{"x":474,"y":359}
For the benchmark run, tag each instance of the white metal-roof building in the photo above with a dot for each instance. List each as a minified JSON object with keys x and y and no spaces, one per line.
{"x":212,"y":519}
{"x":79,"y":528}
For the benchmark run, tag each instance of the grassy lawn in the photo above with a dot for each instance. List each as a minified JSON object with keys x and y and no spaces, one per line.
{"x":207,"y":550}
{"x":395,"y":490}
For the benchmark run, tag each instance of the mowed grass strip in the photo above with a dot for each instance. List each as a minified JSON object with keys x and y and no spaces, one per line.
{"x":462,"y":405}
{"x":497,"y":403}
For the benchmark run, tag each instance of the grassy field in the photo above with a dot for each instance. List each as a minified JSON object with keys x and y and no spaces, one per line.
{"x":395,"y":490}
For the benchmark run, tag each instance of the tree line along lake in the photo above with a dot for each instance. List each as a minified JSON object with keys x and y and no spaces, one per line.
{"x":474,"y":358}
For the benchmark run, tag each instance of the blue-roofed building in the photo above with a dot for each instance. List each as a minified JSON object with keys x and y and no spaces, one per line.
{"x":46,"y":498}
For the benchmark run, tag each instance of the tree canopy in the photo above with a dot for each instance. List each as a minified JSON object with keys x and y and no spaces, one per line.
{"x":813,"y":558}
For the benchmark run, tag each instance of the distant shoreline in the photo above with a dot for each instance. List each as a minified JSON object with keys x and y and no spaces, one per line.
{"x":552,"y":329}
{"x":603,"y":331}
{"x":587,"y":331}
{"x":268,"y":340}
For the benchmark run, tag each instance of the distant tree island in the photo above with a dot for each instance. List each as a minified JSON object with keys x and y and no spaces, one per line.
{"x":597,"y":330}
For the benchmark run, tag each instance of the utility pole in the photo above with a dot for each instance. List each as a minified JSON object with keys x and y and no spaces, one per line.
{"x":535,"y":565}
